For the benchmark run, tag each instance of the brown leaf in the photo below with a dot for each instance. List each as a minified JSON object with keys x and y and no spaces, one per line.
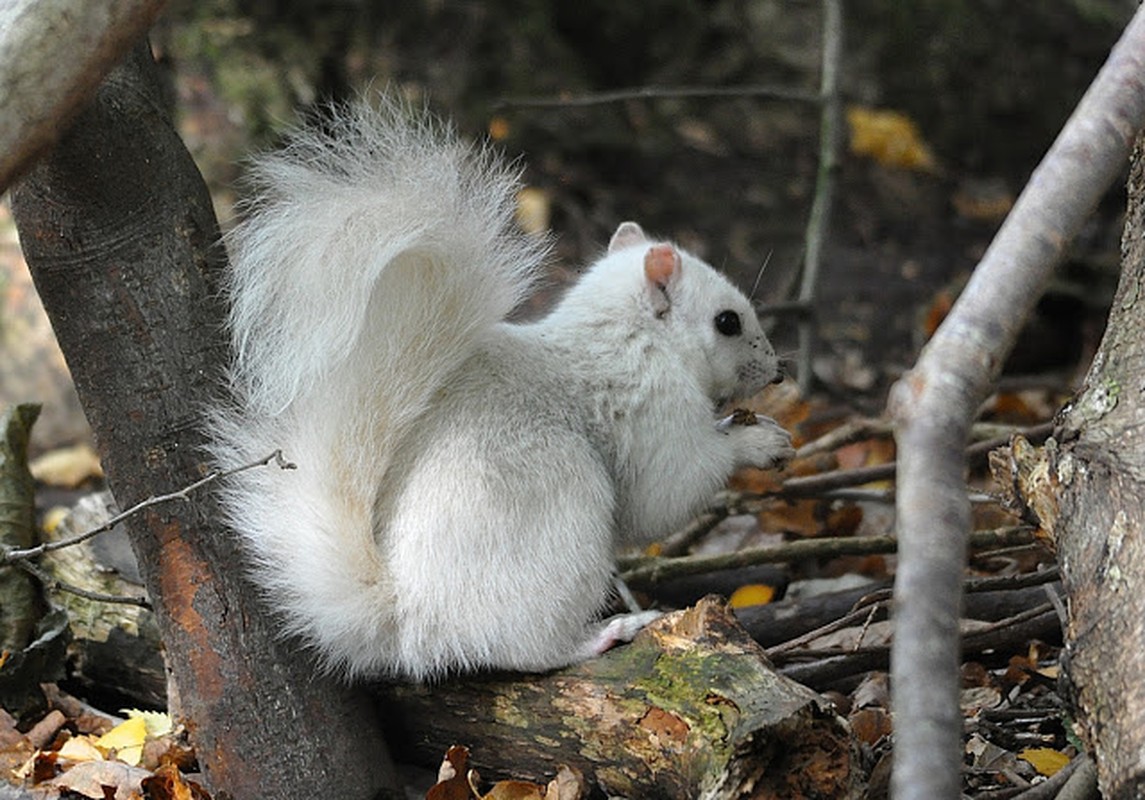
{"x":123,"y":782}
{"x":515,"y":790}
{"x":452,"y":783}
{"x":870,"y":724}
{"x":568,"y":785}
{"x":169,"y":784}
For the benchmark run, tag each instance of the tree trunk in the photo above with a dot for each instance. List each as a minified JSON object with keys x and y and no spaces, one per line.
{"x":1086,"y":487}
{"x":1098,"y":480}
{"x":118,"y":230}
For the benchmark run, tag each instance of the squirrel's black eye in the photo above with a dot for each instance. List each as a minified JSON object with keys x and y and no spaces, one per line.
{"x":728,"y":323}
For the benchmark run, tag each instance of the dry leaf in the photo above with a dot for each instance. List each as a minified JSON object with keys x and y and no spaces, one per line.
{"x":169,"y":784}
{"x":515,"y":790}
{"x":890,"y":138}
{"x":986,"y":200}
{"x":157,"y":722}
{"x":752,"y":594}
{"x":870,"y":725}
{"x":1045,"y":760}
{"x":568,"y":785}
{"x":90,"y":778}
{"x":68,"y":467}
{"x":936,"y":312}
{"x":79,"y":749}
{"x":533,"y":210}
{"x":451,"y":777}
{"x":125,"y":740}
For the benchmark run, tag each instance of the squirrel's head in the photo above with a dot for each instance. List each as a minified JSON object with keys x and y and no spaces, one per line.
{"x":711,"y":324}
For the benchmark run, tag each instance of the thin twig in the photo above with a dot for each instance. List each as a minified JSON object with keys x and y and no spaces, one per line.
{"x":866,"y":627}
{"x":862,"y":612}
{"x":819,"y":220}
{"x":646,"y":571}
{"x":783,"y":308}
{"x":681,"y":542}
{"x":812,"y":485}
{"x":1059,"y":606}
{"x":54,"y":584}
{"x":837,"y":661}
{"x":804,"y":486}
{"x":1036,"y":434}
{"x":832,"y":485}
{"x":659,"y":93}
{"x":1023,"y":580}
{"x":11,"y":556}
{"x":855,"y":430}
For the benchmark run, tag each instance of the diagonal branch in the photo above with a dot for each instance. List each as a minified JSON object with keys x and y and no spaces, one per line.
{"x":933,"y":404}
{"x":53,"y":55}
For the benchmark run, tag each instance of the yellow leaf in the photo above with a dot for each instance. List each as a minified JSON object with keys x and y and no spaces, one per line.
{"x":77,"y":749}
{"x":752,"y":594}
{"x":1045,"y":760}
{"x":890,"y":137}
{"x":53,"y":517}
{"x":68,"y":466}
{"x":533,"y":210}
{"x":158,"y":724}
{"x":126,"y":740}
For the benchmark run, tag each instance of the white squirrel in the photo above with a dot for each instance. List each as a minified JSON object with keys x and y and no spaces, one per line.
{"x":462,"y":481}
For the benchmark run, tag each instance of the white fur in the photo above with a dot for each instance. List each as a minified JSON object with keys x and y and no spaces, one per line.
{"x":461,"y":481}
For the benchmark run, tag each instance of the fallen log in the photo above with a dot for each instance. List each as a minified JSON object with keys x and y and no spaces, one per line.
{"x":690,"y":709}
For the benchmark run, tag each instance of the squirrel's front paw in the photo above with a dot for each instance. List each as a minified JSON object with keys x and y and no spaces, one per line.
{"x":759,"y":440}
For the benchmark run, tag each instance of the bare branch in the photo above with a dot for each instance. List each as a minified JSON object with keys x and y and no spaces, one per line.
{"x":819,"y":220}
{"x":934,"y":403}
{"x":864,"y":610}
{"x":645,"y":571}
{"x":10,"y":556}
{"x":659,"y":93}
{"x":54,"y":584}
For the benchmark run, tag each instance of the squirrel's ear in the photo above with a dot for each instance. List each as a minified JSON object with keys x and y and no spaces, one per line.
{"x":662,"y":266}
{"x":629,"y":234}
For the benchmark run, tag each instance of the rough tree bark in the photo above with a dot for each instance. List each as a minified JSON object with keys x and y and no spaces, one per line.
{"x":117,"y":227}
{"x":934,"y":403}
{"x":1101,"y":475}
{"x":1087,"y":488}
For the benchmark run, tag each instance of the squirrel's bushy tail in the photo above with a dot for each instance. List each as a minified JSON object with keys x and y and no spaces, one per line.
{"x":378,"y":214}
{"x":375,"y":253}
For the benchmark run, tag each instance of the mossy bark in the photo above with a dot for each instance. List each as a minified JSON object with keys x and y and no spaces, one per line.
{"x":690,"y":709}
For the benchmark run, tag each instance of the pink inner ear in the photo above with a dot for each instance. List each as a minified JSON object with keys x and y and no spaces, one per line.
{"x":661,"y":262}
